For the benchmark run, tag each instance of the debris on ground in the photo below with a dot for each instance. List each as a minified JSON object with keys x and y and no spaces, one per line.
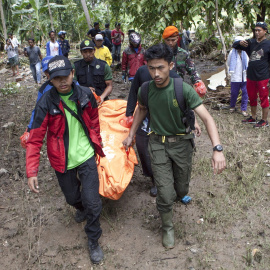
{"x":257,"y":255}
{"x":8,"y":125}
{"x":3,"y":171}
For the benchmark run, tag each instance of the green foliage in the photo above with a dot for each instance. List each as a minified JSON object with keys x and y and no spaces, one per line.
{"x":10,"y":88}
{"x":149,"y":17}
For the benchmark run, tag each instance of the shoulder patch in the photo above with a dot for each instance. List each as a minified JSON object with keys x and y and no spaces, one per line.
{"x":175,"y":103}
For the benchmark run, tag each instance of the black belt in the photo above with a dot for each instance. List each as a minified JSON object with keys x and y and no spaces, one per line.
{"x":172,"y":138}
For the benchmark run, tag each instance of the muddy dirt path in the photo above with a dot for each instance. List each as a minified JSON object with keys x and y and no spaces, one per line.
{"x":39,"y":232}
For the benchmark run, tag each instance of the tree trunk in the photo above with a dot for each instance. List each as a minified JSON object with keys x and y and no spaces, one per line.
{"x":32,"y":35}
{"x":86,"y":13}
{"x":3,"y":20}
{"x":261,"y":16}
{"x":50,"y":13}
{"x":224,"y":50}
{"x":209,"y":16}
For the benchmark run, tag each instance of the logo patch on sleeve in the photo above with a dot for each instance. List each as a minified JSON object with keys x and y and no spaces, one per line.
{"x":175,"y":103}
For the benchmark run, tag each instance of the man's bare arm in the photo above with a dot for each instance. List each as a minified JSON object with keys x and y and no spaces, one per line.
{"x":218,"y":159}
{"x":139,"y":115}
{"x":107,"y":91}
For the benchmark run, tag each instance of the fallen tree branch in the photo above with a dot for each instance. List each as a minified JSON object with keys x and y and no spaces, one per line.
{"x":164,"y":259}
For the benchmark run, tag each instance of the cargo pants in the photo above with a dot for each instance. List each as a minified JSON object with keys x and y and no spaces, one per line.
{"x":171,"y":161}
{"x":83,"y":194}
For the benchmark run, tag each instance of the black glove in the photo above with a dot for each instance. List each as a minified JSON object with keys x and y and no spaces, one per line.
{"x":189,"y":119}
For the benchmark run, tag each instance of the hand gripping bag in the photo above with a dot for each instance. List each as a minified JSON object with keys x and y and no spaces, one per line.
{"x":116,"y":168}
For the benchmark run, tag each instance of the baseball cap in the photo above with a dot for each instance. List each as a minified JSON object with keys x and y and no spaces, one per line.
{"x":87,"y":44}
{"x":98,"y":37}
{"x":45,"y":62}
{"x":59,"y":65}
{"x":263,"y":25}
{"x":237,"y":38}
{"x":61,"y":33}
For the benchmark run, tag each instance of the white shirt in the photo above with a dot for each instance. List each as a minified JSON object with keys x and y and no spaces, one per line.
{"x":54,"y":48}
{"x":238,"y":75}
{"x":15,"y":42}
{"x":11,"y":52}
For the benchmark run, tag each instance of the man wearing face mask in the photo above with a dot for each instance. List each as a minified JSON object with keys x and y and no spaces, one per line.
{"x":133,"y":57}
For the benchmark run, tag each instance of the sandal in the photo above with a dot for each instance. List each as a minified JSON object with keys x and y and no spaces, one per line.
{"x":232,"y":110}
{"x":244,"y":113}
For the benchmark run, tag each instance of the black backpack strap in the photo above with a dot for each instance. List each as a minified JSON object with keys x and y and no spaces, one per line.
{"x":71,"y":112}
{"x":144,"y":93}
{"x":189,"y":117}
{"x":178,"y":88}
{"x":80,"y":120}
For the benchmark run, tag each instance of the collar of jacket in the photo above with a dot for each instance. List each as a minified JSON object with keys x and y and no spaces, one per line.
{"x":77,"y":96}
{"x":133,"y":49}
{"x":93,"y":63}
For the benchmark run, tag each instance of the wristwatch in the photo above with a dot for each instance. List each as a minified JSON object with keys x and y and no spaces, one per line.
{"x":218,"y":148}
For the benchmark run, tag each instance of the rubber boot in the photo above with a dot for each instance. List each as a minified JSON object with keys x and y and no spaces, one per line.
{"x":167,"y":229}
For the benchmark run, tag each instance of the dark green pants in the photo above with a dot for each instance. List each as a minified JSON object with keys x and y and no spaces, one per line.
{"x":171,"y":163}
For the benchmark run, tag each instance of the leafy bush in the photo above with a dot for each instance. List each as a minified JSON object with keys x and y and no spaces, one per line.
{"x":10,"y":88}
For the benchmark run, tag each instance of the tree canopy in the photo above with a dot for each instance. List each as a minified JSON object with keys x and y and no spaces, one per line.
{"x":30,"y":18}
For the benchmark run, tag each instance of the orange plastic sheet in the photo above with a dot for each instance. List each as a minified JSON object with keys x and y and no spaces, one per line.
{"x":116,"y":169}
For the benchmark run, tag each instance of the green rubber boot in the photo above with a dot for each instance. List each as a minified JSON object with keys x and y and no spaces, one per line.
{"x":167,"y":229}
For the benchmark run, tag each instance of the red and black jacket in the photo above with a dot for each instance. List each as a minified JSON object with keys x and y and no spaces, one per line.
{"x":132,"y":61}
{"x":50,"y":117}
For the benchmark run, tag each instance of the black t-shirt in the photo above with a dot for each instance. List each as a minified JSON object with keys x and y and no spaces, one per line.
{"x":108,"y":33}
{"x":259,"y":56}
{"x":93,"y":32}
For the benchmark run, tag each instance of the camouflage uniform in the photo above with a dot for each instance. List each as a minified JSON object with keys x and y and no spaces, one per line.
{"x":183,"y":64}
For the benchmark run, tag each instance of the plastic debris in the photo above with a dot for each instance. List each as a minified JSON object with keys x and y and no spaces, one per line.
{"x":257,"y":255}
{"x":200,"y":221}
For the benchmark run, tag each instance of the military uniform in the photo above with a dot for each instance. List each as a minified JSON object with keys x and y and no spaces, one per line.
{"x":183,"y":64}
{"x":93,"y":74}
{"x":170,"y":148}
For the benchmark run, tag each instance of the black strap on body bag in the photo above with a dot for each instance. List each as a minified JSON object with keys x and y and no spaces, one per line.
{"x":189,"y":117}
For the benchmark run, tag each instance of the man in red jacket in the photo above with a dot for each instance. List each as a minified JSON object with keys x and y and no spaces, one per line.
{"x":69,"y":115}
{"x":133,"y":57}
{"x":117,"y":41}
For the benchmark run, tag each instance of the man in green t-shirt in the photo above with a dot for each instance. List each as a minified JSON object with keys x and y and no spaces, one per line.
{"x":170,"y":147}
{"x":68,"y":114}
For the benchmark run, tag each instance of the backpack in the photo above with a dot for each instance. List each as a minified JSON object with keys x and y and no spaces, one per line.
{"x":189,"y":117}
